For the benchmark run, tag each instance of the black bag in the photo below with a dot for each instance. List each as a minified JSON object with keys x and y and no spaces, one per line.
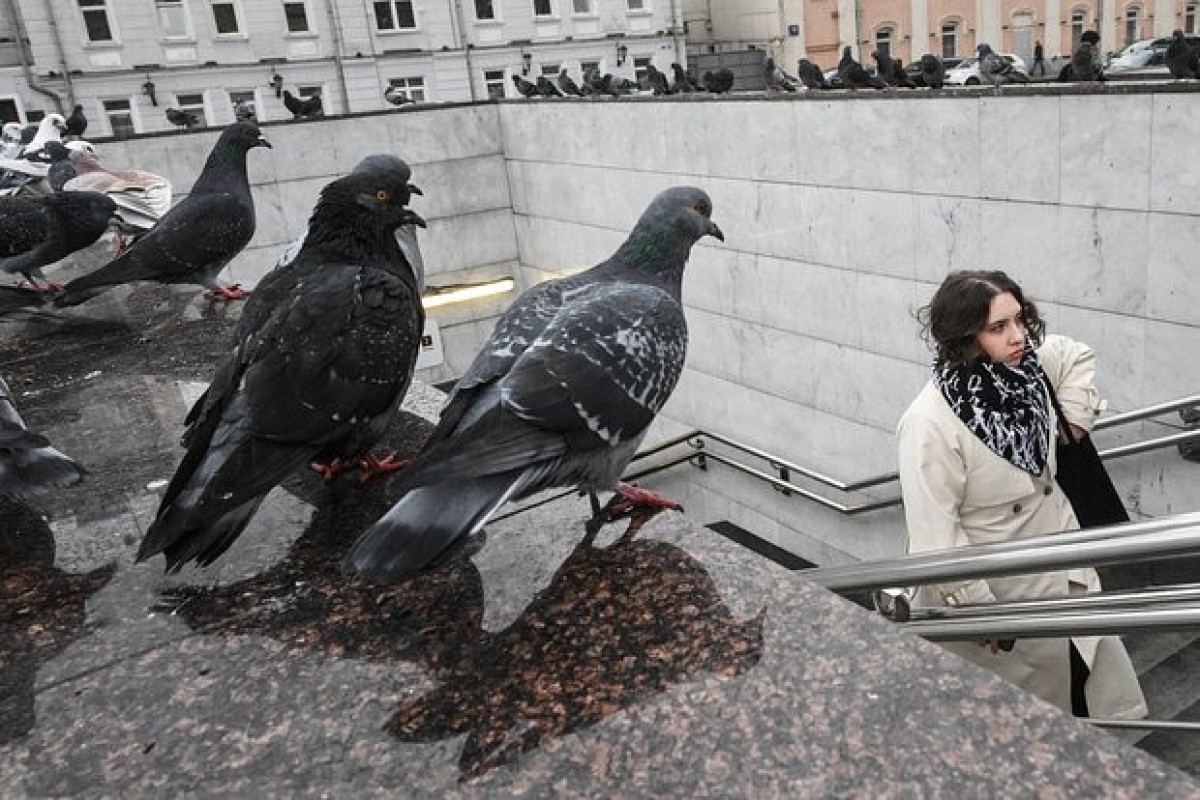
{"x":1082,"y":476}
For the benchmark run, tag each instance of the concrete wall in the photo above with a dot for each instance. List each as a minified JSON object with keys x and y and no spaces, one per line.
{"x":841,"y":218}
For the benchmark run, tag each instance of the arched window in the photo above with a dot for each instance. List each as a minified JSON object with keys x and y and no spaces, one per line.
{"x":950,"y":29}
{"x":884,"y":36}
{"x":1133,"y":24}
{"x":1078,"y":26}
{"x":1189,"y":18}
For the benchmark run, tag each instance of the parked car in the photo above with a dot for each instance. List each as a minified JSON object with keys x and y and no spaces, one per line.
{"x":914,"y":69}
{"x":1146,"y":55}
{"x":967,"y":72}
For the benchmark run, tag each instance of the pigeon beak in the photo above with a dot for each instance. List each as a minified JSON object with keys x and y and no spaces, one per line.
{"x":414,"y":189}
{"x":714,"y":231}
{"x":262,"y":142}
{"x":413,"y":218}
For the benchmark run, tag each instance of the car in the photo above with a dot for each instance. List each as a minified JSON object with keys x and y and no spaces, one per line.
{"x":967,"y":71}
{"x":914,"y":69}
{"x":1146,"y":55}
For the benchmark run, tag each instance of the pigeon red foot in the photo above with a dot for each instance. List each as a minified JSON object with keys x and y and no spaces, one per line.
{"x":228,"y":293}
{"x":371,"y":466}
{"x":44,"y":287}
{"x":328,"y":470}
{"x":630,"y":501}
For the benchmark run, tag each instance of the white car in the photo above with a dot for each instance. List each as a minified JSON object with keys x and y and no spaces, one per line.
{"x":967,"y":72}
{"x":1146,"y":55}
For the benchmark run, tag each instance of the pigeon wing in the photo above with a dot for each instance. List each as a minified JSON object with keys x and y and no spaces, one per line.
{"x":23,"y":226}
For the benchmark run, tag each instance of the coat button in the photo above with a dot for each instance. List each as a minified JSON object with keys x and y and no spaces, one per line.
{"x":1048,"y":490}
{"x":1016,"y":508}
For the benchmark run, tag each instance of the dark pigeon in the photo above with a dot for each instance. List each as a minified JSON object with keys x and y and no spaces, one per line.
{"x":546,"y":87}
{"x":810,"y":75}
{"x":560,"y":395}
{"x":776,"y":79}
{"x":995,"y":71}
{"x":526,"y":88}
{"x":854,"y":76}
{"x":1182,"y":59}
{"x":933,"y":71}
{"x":36,"y":232}
{"x":303,"y":108}
{"x":325,"y":352}
{"x":194,"y":241}
{"x":657,"y":81}
{"x":1084,"y":63}
{"x":28,"y":464}
{"x":719,"y":82}
{"x":900,"y":76}
{"x":61,"y":168}
{"x":682,"y":82}
{"x":184,"y":119}
{"x":567,"y":86}
{"x":22,"y":303}
{"x":396,"y":96}
{"x":76,"y":123}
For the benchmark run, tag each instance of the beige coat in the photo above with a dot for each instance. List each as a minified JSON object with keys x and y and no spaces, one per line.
{"x":958,"y":492}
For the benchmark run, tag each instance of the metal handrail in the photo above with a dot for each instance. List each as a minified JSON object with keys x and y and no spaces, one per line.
{"x":1146,"y":412}
{"x":1182,"y":617}
{"x":1100,"y":601}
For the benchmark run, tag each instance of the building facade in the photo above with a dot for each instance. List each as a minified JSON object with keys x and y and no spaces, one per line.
{"x":907,"y":29}
{"x":127,"y":61}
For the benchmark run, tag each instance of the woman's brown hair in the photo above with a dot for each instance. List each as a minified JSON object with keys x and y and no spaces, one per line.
{"x":959,"y":311}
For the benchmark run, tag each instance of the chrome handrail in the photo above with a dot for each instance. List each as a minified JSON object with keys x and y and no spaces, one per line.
{"x":1100,"y":601}
{"x":1182,"y":617}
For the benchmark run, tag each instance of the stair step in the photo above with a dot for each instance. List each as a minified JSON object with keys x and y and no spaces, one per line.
{"x":1148,"y":650}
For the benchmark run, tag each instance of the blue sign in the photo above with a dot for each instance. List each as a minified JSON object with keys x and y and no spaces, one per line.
{"x":793,"y":30}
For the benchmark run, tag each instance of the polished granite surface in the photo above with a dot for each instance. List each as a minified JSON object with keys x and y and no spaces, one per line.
{"x":540,"y":662}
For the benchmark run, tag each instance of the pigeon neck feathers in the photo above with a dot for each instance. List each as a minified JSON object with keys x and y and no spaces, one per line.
{"x":342,"y":225}
{"x":225,"y":169}
{"x":662,"y":240}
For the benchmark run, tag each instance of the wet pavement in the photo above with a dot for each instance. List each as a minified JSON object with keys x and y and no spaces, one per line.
{"x":539,"y":662}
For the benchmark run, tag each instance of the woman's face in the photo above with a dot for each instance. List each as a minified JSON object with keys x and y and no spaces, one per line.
{"x":1003,"y":337}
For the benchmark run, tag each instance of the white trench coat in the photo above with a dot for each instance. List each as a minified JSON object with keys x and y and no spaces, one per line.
{"x":958,"y":492}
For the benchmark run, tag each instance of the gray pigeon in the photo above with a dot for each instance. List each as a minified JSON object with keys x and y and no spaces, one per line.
{"x":1183,"y":60}
{"x":61,"y":168}
{"x":775,"y":78}
{"x":196,"y":238}
{"x":526,"y":88}
{"x":184,"y":119}
{"x":76,"y":123}
{"x":546,"y":87}
{"x":303,"y":107}
{"x":28,"y":464}
{"x":560,"y":395}
{"x":36,"y":232}
{"x":325,"y":351}
{"x":566,"y":85}
{"x":657,"y":81}
{"x":933,"y":71}
{"x":854,"y":75}
{"x":995,"y":71}
{"x":1084,"y":66}
{"x":682,"y":82}
{"x":810,"y":75}
{"x":719,"y":82}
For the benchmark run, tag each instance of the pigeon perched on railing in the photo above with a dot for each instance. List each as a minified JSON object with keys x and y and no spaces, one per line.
{"x":36,"y":232}
{"x":560,"y":395}
{"x":719,"y":82}
{"x":303,"y":108}
{"x":61,"y":169}
{"x":996,"y":71}
{"x":184,"y":119}
{"x":28,"y":464}
{"x":325,"y":352}
{"x":525,"y":88}
{"x":76,"y":122}
{"x":396,"y":96}
{"x":198,"y":237}
{"x":810,"y":75}
{"x":142,"y":198}
{"x":546,"y":87}
{"x":776,"y":79}
{"x":683,"y":81}
{"x":854,"y":75}
{"x":933,"y":71}
{"x":656,"y":81}
{"x":1183,"y":60}
{"x":567,"y":86}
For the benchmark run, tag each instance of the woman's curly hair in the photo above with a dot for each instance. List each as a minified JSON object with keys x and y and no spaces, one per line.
{"x":959,"y":310}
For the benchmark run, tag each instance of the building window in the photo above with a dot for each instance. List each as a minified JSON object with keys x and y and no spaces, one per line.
{"x":584,"y":66}
{"x":493,"y":81}
{"x":414,"y":88}
{"x":172,"y":19}
{"x":582,"y":6}
{"x":639,"y":71}
{"x":296,"y":17}
{"x":96,"y":21}
{"x":194,"y":105}
{"x":243,"y":105}
{"x":485,"y":10}
{"x":8,"y":110}
{"x":226,"y":18}
{"x":1133,"y":24}
{"x":395,"y":15}
{"x":1078,"y":23}
{"x":550,"y":70}
{"x":636,"y":5}
{"x":120,"y":120}
{"x":949,"y":40}
{"x":1189,"y":18}
{"x":883,"y":40}
{"x":543,"y":8}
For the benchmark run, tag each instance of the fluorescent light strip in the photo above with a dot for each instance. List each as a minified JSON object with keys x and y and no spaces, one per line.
{"x":473,"y":292}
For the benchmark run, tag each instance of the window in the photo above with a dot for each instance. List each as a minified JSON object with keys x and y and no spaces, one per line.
{"x":1078,"y":21}
{"x":582,"y":6}
{"x":305,"y":92}
{"x":639,"y":71}
{"x":172,"y":19}
{"x":883,"y":40}
{"x":1189,"y":18}
{"x":636,"y":5}
{"x":120,"y":120}
{"x":414,"y":88}
{"x":584,"y":66}
{"x":226,"y":18}
{"x":96,"y":21}
{"x":296,"y":17}
{"x":949,"y":40}
{"x":542,"y":8}
{"x":395,"y":15}
{"x":193,"y":104}
{"x":243,"y":105}
{"x":550,"y":70}
{"x":34,"y":116}
{"x":8,"y":110}
{"x":493,"y":81}
{"x":1133,"y":24}
{"x":485,"y":9}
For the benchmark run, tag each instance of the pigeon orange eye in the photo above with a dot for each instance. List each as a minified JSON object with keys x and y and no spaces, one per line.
{"x":381,"y":195}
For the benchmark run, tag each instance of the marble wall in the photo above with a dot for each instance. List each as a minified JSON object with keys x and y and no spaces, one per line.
{"x":841,"y":217}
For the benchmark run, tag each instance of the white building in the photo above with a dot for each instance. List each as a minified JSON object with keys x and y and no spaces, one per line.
{"x":127,"y":61}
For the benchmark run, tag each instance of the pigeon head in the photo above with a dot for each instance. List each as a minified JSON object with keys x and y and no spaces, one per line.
{"x":79,"y":145}
{"x":380,"y":163}
{"x":1178,"y":34}
{"x":56,"y":120}
{"x":984,"y":49}
{"x":93,"y":210}
{"x":366,"y":205}
{"x":243,"y":135}
{"x":662,"y":239}
{"x":12,"y":131}
{"x":57,"y":151}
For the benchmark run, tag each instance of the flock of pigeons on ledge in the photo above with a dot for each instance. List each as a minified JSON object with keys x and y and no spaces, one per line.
{"x":561,"y":394}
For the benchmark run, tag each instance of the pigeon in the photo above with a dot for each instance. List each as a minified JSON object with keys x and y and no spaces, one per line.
{"x":683,"y":81}
{"x":10,"y":142}
{"x":36,"y":232}
{"x":546,"y":87}
{"x":325,"y":351}
{"x":657,"y":81}
{"x":776,"y":79}
{"x":303,"y":108}
{"x":61,"y":169}
{"x":526,"y":88}
{"x":396,"y":96}
{"x":567,"y":86}
{"x":28,"y":464}
{"x":50,"y":129}
{"x":243,"y":111}
{"x":561,"y":394}
{"x":933,"y":71}
{"x":76,"y":123}
{"x":1182,"y":59}
{"x":21,"y":302}
{"x":1084,"y":66}
{"x":142,"y":198}
{"x":810,"y":75}
{"x":854,"y":76}
{"x":900,"y":76}
{"x":198,"y":237}
{"x":184,"y":119}
{"x":719,"y":82}
{"x":995,"y":71}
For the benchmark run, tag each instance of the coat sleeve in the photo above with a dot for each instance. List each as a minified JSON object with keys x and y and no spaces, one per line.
{"x":932,"y":484}
{"x":1071,"y":367}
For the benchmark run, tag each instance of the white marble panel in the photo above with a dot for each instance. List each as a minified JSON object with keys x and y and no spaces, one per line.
{"x":297,"y":199}
{"x":1174,"y":180}
{"x":302,"y":150}
{"x":461,"y":186}
{"x":1104,"y":153}
{"x":1023,"y":239}
{"x":946,"y":145}
{"x":781,"y":224}
{"x":1122,"y":372}
{"x":1173,"y":242}
{"x":438,"y":134}
{"x":1100,"y":259}
{"x":1170,"y":358}
{"x":457,"y":243}
{"x":854,"y":144}
{"x":553,"y":246}
{"x":1019,"y":149}
{"x":946,"y":235}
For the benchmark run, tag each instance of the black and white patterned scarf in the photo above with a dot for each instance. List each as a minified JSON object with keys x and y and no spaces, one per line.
{"x":1005,"y":407}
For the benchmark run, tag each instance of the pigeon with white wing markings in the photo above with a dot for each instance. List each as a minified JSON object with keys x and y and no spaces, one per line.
{"x":198,"y":237}
{"x":560,"y":395}
{"x":325,"y":351}
{"x":28,"y":464}
{"x":142,"y":198}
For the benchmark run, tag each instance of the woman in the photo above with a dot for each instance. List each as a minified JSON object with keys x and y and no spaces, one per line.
{"x":977,"y":465}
